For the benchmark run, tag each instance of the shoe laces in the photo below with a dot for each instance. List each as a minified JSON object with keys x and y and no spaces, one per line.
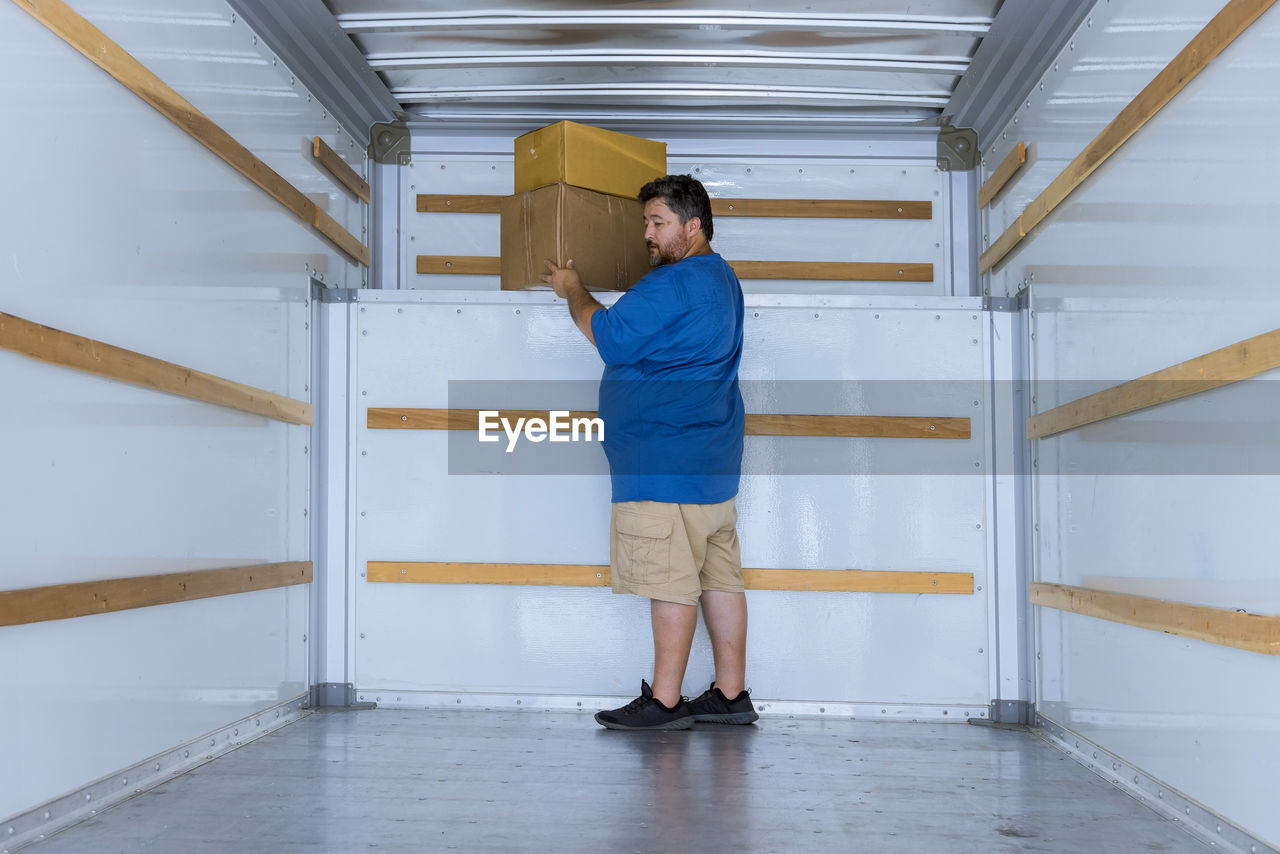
{"x":636,"y":704}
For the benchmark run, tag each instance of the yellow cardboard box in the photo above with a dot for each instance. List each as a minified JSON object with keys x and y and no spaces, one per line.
{"x":603,"y":234}
{"x":588,"y":157}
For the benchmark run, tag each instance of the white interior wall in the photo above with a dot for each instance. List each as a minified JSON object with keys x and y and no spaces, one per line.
{"x":122,"y":228}
{"x":902,"y":167}
{"x":891,"y":504}
{"x":1166,"y":253}
{"x":904,"y":504}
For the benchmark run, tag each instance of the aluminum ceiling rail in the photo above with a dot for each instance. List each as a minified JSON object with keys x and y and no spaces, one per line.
{"x":668,"y":58}
{"x":394,"y":22}
{"x":785,"y":94}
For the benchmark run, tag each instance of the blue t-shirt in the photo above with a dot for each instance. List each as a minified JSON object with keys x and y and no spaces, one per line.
{"x":669,"y":396}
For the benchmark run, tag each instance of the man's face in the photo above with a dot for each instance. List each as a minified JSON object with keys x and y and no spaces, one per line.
{"x":664,"y":235}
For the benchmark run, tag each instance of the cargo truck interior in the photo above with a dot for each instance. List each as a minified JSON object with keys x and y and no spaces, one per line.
{"x":1010,"y":480}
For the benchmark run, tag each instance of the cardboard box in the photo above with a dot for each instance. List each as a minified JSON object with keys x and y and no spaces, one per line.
{"x":603,"y":234}
{"x":587,"y":157}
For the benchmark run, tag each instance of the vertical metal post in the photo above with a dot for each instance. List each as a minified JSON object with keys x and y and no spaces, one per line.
{"x":331,"y":663}
{"x":1013,"y":685}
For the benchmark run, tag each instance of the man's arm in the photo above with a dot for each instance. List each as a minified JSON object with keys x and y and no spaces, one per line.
{"x":582,"y":305}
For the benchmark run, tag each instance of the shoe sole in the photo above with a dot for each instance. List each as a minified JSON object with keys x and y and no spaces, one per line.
{"x":681,"y":723}
{"x":735,"y":718}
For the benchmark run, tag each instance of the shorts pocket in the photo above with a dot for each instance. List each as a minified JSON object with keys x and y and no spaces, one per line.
{"x":644,"y":548}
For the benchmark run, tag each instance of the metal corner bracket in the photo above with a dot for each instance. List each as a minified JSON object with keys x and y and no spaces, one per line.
{"x":389,"y":142}
{"x":957,"y":149}
{"x":340,"y":695}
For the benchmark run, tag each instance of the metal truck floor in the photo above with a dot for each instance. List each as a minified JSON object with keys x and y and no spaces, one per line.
{"x":556,"y":782}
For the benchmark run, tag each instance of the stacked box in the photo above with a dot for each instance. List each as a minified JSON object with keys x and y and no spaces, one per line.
{"x":576,"y":190}
{"x":587,"y":157}
{"x":603,"y":234}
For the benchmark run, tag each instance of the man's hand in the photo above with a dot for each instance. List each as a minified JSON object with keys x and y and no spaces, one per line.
{"x":582,"y":305}
{"x":562,"y":279}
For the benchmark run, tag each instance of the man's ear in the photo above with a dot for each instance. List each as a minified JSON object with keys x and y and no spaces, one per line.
{"x":692,"y":226}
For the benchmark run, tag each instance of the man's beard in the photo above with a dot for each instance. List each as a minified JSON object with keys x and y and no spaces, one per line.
{"x":659,"y":258}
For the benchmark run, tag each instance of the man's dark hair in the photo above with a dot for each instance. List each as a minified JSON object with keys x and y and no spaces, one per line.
{"x":686,"y":197}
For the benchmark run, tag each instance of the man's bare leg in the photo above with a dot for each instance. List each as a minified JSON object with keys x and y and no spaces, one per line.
{"x":726,"y":617}
{"x":673,"y":627}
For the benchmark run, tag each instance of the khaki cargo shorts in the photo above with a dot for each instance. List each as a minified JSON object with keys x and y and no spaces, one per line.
{"x":672,"y":552}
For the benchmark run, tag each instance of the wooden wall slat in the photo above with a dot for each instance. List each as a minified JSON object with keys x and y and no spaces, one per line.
{"x":815,"y":208}
{"x":63,"y":601}
{"x":1234,"y":18}
{"x":458,"y":203}
{"x":848,"y":426}
{"x":823,"y":208}
{"x":585,"y":575}
{"x":1227,"y":365}
{"x":1003,"y":246}
{"x":340,"y":237}
{"x":95,"y":357}
{"x":340,"y":169}
{"x":1253,"y":632}
{"x":460,"y":265}
{"x":120,"y":64}
{"x":830,"y":271}
{"x":834,"y":271}
{"x":1004,"y":172}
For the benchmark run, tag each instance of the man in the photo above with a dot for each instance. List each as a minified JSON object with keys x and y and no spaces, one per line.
{"x":673,"y":435}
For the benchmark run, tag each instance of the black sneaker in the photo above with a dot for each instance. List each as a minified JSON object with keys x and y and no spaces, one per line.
{"x":715,"y":708}
{"x":647,"y":712}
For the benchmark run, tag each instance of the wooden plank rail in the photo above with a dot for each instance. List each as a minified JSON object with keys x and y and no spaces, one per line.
{"x":446,"y":203}
{"x":1227,"y":365}
{"x":822,"y":208}
{"x":1004,"y":173}
{"x":339,"y":169}
{"x":1252,"y":632}
{"x":1230,"y":22}
{"x":834,"y":271}
{"x":849,"y":426}
{"x":830,"y":271}
{"x":588,"y":575}
{"x":63,"y":601}
{"x":460,"y":265}
{"x":120,"y":64}
{"x":811,"y":208}
{"x":95,"y":357}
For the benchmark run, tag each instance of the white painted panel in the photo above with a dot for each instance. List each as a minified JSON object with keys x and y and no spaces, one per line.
{"x":1116,"y":51}
{"x":128,"y":231}
{"x":736,"y":238}
{"x":1166,"y":253}
{"x":925,"y":508}
{"x":85,"y":697}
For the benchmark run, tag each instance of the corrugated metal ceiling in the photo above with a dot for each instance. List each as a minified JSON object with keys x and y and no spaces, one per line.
{"x":874,"y":63}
